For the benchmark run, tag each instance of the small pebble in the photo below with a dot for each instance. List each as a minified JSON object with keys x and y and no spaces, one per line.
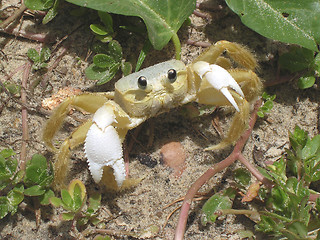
{"x":173,"y":156}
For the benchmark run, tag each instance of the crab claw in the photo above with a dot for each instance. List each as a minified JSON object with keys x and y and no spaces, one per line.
{"x":220,"y":79}
{"x":103,"y":146}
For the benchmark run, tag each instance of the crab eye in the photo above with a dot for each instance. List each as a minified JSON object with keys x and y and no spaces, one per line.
{"x":172,"y":75}
{"x":142,"y":82}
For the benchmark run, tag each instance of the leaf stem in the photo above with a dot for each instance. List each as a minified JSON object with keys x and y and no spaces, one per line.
{"x":270,"y":214}
{"x":254,"y":171}
{"x":177,"y":45}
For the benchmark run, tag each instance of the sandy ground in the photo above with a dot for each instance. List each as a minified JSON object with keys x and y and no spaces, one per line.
{"x":142,"y":206}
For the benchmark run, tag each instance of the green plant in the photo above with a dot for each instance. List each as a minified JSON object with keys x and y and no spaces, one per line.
{"x":10,"y":183}
{"x":302,"y":60}
{"x":217,"y":202}
{"x":109,"y":57}
{"x":38,"y":178}
{"x":162,"y":18}
{"x":267,"y":106}
{"x":293,"y":21}
{"x":16,"y":184}
{"x":12,"y":88}
{"x":73,"y":200}
{"x":288,"y":212}
{"x":39,"y":59}
{"x":104,"y":32}
{"x":51,"y":6}
{"x":107,"y":62}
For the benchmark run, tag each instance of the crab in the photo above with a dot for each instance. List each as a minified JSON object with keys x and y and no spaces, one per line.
{"x":223,"y":76}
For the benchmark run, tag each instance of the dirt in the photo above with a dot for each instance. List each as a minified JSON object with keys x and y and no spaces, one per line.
{"x":143,"y":205}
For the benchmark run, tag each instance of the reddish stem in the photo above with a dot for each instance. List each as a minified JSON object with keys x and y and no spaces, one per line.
{"x":181,"y":226}
{"x":198,"y":43}
{"x":255,"y":171}
{"x":40,"y":37}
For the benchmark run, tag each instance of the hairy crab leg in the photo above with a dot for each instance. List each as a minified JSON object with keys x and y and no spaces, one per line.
{"x":87,"y":102}
{"x":62,"y":157}
{"x":235,"y":51}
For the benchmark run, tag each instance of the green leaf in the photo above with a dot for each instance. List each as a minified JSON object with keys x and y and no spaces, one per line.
{"x":99,"y":29}
{"x":37,"y":172}
{"x":317,"y":64}
{"x":311,"y":148}
{"x":35,"y":190}
{"x":115,"y":50}
{"x":66,"y":199}
{"x":102,"y":75}
{"x":100,"y":237}
{"x":32,"y":175}
{"x":33,"y":55}
{"x":278,"y":171}
{"x":293,"y":21}
{"x":45,"y":56}
{"x":297,"y":59}
{"x":99,"y":47}
{"x":126,"y":68}
{"x":94,"y":202}
{"x":82,"y":221}
{"x":56,"y":202}
{"x":11,"y":165}
{"x":51,"y":13}
{"x":213,"y":204}
{"x":143,"y":53}
{"x":242,"y":176}
{"x":107,"y":21}
{"x":296,"y":230}
{"x":77,"y":198}
{"x":318,"y":204}
{"x":15,"y":196}
{"x":39,"y":161}
{"x":279,"y":200}
{"x":103,"y":61}
{"x":267,"y":224}
{"x":162,"y":18}
{"x":4,"y":207}
{"x":8,"y":168}
{"x":13,"y":88}
{"x":306,"y":82}
{"x":44,"y":199}
{"x":298,"y":138}
{"x":67,"y":216}
{"x":18,"y":177}
{"x":39,"y":4}
{"x":6,"y":153}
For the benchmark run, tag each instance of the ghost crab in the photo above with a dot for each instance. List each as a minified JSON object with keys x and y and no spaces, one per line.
{"x":212,"y":78}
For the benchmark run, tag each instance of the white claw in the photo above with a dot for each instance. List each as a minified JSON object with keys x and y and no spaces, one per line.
{"x":220,"y":79}
{"x":228,"y":96}
{"x":103,"y":146}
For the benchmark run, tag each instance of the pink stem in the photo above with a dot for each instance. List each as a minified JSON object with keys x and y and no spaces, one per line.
{"x":182,"y":222}
{"x":255,"y":171}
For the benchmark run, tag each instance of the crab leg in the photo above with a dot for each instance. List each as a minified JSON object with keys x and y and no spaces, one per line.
{"x":220,"y":79}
